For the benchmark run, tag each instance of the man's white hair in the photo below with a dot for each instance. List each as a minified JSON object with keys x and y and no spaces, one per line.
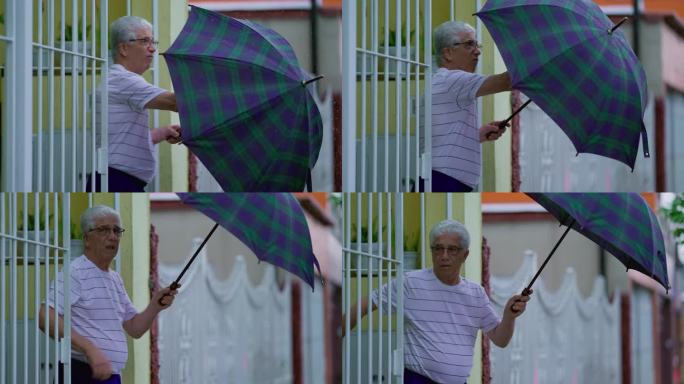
{"x":89,"y":215}
{"x":451,"y":227}
{"x":123,"y":29}
{"x":446,"y":35}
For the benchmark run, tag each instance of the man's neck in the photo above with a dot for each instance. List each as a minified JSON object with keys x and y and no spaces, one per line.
{"x":448,"y":276}
{"x":99,"y":262}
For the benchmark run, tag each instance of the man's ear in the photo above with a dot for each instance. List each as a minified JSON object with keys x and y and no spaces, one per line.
{"x":465,"y":255}
{"x":122,"y":49}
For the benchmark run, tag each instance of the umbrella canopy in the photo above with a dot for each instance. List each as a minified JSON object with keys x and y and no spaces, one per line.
{"x":272,"y":225}
{"x":621,"y":223}
{"x":244,"y":106}
{"x":565,"y":57}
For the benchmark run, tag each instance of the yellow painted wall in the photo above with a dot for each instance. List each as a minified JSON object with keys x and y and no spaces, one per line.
{"x":135,"y":269}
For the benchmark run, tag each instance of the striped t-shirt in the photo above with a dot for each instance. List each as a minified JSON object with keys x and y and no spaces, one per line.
{"x":99,"y":306}
{"x":440,"y":324}
{"x":455,"y":134}
{"x":130,"y":142}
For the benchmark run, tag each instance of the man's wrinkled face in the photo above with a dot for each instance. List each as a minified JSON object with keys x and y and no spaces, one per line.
{"x":141,"y":51}
{"x":466,"y":53}
{"x":447,"y":252}
{"x":102,"y":240}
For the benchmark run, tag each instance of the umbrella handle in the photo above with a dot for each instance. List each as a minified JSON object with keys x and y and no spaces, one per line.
{"x":502,"y":125}
{"x":173,"y":287}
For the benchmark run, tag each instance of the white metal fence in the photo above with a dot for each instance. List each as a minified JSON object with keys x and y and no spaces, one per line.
{"x":386,"y":98}
{"x":384,"y":235}
{"x":34,"y":238}
{"x":35,"y":243}
{"x":55,"y":56}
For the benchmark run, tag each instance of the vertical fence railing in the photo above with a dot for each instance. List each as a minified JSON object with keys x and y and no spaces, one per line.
{"x":373,"y":250}
{"x":382,"y":147}
{"x":34,"y":240}
{"x":52,"y":74}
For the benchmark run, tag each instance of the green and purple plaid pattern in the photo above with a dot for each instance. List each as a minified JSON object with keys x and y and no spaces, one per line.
{"x":243,"y":108}
{"x":272,"y":225}
{"x":560,"y":54}
{"x":621,"y":223}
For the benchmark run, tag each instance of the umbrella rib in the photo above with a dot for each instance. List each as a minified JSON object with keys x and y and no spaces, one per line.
{"x":205,"y":58}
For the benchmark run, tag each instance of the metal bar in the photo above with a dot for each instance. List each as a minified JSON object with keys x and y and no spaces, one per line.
{"x":346,"y":236}
{"x":358,"y":288}
{"x":399,"y":240}
{"x":66,"y":272}
{"x":102,"y":153}
{"x":449,"y":205}
{"x":390,"y":265}
{"x":381,"y":271}
{"x":62,"y":100}
{"x":39,"y":166}
{"x":155,"y":81}
{"x":369,"y":281}
{"x":416,"y":120}
{"x":3,"y":284}
{"x":424,"y":241}
{"x":407,"y":107}
{"x":84,"y":95}
{"x":93,"y":100}
{"x":349,"y":96}
{"x":51,"y":100}
{"x":374,"y":93}
{"x":46,"y":335}
{"x":55,"y":328}
{"x":24,"y":299}
{"x":13,"y":292}
{"x":19,"y":65}
{"x":426,"y":164}
{"x":364,"y":104}
{"x":386,"y":102}
{"x":398,"y":85}
{"x":74,"y":93}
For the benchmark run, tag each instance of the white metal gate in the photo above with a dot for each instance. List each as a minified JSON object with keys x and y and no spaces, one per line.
{"x":34,"y":238}
{"x":378,"y":246}
{"x":381,"y":139}
{"x":35,"y":243}
{"x":55,"y":54}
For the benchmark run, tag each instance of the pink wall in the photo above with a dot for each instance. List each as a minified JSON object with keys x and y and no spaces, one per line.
{"x":673,"y":58}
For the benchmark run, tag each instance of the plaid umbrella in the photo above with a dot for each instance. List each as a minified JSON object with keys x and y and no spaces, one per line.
{"x":243,"y":102}
{"x":272,"y":225}
{"x":621,"y":223}
{"x":567,"y":57}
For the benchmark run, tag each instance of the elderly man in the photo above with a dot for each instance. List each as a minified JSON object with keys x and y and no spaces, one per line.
{"x":456,"y":140}
{"x":443,"y":312}
{"x":100,"y":307}
{"x":131,"y":156}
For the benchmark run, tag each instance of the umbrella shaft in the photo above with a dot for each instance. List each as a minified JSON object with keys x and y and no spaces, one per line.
{"x":549,"y":256}
{"x":503,"y":123}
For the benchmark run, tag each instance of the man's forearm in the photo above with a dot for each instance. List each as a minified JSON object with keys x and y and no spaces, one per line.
{"x":80,"y":343}
{"x":502,"y":334}
{"x":141,"y":323}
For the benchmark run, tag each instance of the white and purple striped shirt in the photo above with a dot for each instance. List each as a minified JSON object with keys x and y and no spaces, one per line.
{"x":440,"y":324}
{"x":455,"y":134}
{"x":99,"y":306}
{"x":130,"y":142}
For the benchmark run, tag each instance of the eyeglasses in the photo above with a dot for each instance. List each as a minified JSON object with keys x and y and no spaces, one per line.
{"x":146,"y":41}
{"x":106,"y":230}
{"x":470,"y":44}
{"x":451,"y":251}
